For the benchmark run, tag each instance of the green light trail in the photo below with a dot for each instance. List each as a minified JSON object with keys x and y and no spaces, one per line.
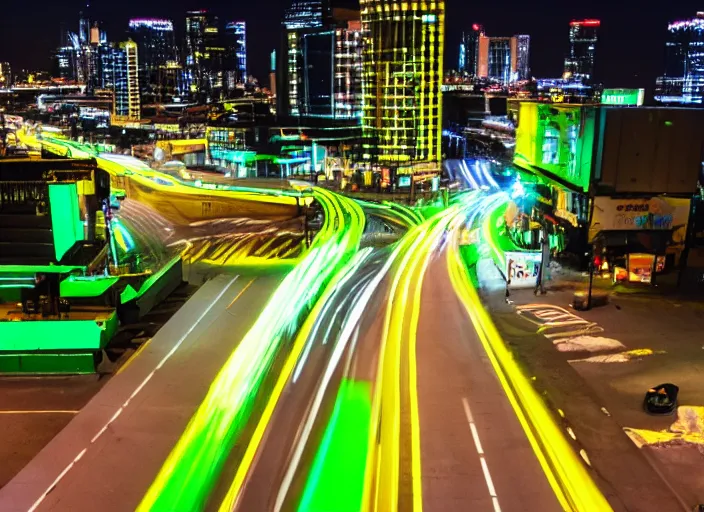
{"x":334,"y":483}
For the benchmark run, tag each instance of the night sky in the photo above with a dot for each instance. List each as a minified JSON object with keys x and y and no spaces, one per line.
{"x":630,"y":52}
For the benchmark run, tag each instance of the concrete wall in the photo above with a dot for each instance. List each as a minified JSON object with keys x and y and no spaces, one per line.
{"x":650,"y":150}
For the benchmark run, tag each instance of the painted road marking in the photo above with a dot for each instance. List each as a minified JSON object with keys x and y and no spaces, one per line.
{"x":48,"y":411}
{"x":134,"y":393}
{"x":482,"y":459}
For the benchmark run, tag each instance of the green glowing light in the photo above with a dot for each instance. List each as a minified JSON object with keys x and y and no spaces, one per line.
{"x":65,"y":217}
{"x":69,"y":334}
{"x":93,"y":286}
{"x":336,"y":480}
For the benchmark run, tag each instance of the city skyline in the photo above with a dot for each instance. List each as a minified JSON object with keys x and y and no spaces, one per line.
{"x":626,"y":57}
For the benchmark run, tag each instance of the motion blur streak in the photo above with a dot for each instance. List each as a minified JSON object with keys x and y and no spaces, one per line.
{"x":569,"y":479}
{"x":303,"y":340}
{"x":193,"y":467}
{"x":327,"y":467}
{"x":403,"y":309}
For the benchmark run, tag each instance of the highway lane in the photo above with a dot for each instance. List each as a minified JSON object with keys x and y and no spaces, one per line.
{"x":280,"y":470}
{"x":111,"y":452}
{"x":474,"y":452}
{"x":450,"y":426}
{"x":224,"y":416}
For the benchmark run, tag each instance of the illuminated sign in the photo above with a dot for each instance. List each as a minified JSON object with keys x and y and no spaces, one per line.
{"x":404,"y":181}
{"x":522,"y":269}
{"x":428,"y":18}
{"x":656,"y":213}
{"x":623,"y":97}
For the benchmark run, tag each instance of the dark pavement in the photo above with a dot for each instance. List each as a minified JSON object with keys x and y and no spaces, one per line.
{"x":474,"y":452}
{"x":111,"y":452}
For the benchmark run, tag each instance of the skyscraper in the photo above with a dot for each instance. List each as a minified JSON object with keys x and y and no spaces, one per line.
{"x":504,"y":59}
{"x":235,"y":53}
{"x":324,"y":68}
{"x":523,"y":56}
{"x":469,"y":50}
{"x":5,"y":75}
{"x":403,"y":57}
{"x":156,"y":45}
{"x":307,"y":14}
{"x":683,"y":80}
{"x":126,"y":76}
{"x":204,"y":54}
{"x":584,"y":35}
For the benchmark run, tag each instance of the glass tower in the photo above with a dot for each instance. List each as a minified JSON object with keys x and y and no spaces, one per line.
{"x":584,"y":35}
{"x":204,"y":54}
{"x":402,"y":112}
{"x":306,"y":14}
{"x":156,"y":44}
{"x":469,"y":50}
{"x":683,"y":80}
{"x":236,"y":52}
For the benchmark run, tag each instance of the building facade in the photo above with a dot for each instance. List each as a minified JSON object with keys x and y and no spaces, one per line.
{"x":584,"y":36}
{"x":235,"y":53}
{"x":126,"y":76}
{"x":501,"y":59}
{"x":683,"y":80}
{"x":324,"y":70}
{"x":403,"y":72}
{"x":5,"y":75}
{"x":205,"y":54}
{"x":156,"y":44}
{"x":307,"y":14}
{"x":469,"y":50}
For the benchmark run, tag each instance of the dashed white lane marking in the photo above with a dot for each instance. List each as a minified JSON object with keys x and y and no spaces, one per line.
{"x":134,"y":393}
{"x":480,"y":452}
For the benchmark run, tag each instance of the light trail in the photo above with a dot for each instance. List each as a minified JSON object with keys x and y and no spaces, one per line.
{"x":382,"y":470}
{"x":194,"y":465}
{"x":564,"y":470}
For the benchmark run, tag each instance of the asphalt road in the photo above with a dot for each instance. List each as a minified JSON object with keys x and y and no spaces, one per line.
{"x":474,"y":453}
{"x":277,"y":472}
{"x":111,"y":452}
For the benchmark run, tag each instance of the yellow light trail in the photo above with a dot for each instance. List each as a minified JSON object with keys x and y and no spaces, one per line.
{"x":400,"y":329}
{"x":564,"y":470}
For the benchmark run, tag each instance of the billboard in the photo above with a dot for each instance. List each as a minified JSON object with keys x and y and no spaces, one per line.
{"x":556,"y":139}
{"x":522,"y":269}
{"x":655,"y":213}
{"x":625,"y":97}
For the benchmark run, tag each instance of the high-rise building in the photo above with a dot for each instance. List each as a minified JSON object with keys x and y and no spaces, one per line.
{"x":584,"y":35}
{"x":307,"y":14}
{"x":126,"y":76}
{"x":235,"y":53}
{"x":205,"y":54}
{"x":683,"y":80}
{"x":5,"y":75}
{"x":469,"y":50}
{"x":324,"y":68}
{"x":272,"y":73}
{"x":523,"y":58}
{"x":504,"y":59}
{"x":403,"y":58}
{"x":156,"y":45}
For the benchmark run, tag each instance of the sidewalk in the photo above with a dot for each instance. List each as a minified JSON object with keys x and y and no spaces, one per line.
{"x":597,"y":412}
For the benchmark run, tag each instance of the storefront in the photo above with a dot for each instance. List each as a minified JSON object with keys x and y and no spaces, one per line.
{"x":634,"y":238}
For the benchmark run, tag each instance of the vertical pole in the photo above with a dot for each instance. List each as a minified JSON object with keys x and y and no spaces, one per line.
{"x":591,"y":279}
